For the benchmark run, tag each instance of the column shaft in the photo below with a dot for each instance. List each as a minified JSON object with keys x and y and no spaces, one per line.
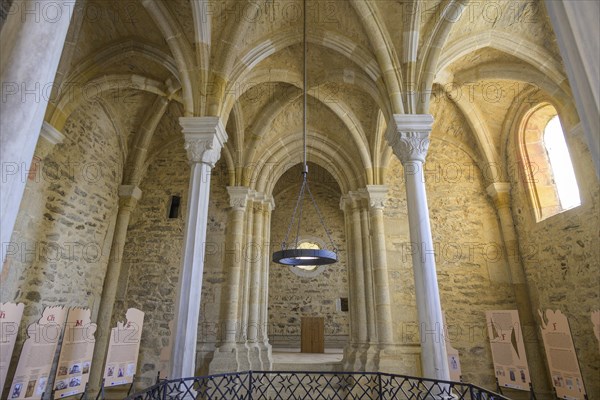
{"x":31,"y":46}
{"x":204,"y":138}
{"x":129,"y":196}
{"x":255,"y":274}
{"x":368,"y":274}
{"x":359,"y":278}
{"x":409,"y":137}
{"x":247,"y":265}
{"x":190,"y":285}
{"x":233,"y":260}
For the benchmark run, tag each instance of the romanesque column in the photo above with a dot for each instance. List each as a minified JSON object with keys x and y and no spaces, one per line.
{"x":204,"y":138}
{"x":265,"y":347}
{"x":255,"y":284}
{"x":408,"y":135}
{"x":500,"y":194}
{"x":359,"y":276}
{"x":31,"y":42}
{"x":225,"y":358}
{"x":350,"y":349}
{"x":129,"y":195}
{"x":238,"y":197}
{"x":377,"y":195}
{"x":368,"y":274}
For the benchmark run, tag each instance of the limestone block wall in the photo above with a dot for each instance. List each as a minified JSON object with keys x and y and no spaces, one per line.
{"x":152,"y":258}
{"x":61,"y":242}
{"x":561,"y":256}
{"x":291,"y":296}
{"x":471,"y":265}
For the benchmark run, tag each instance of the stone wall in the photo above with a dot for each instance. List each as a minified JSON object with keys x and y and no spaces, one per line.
{"x":62,"y":238}
{"x":291,"y":296}
{"x":561,"y":256}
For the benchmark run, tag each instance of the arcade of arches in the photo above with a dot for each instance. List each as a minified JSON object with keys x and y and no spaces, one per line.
{"x":151,"y":155}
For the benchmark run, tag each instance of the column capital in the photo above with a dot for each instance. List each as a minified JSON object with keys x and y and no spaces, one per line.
{"x":204,"y":138}
{"x":238,"y":197}
{"x":408,"y":135}
{"x":500,"y":194}
{"x":377,"y":196}
{"x":52,"y":135}
{"x":346,"y":201}
{"x":130,"y":191}
{"x":269,"y":203}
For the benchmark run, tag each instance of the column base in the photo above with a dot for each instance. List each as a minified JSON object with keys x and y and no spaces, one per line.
{"x":254,"y":356}
{"x":266,"y":355}
{"x":372,"y":358}
{"x":355,"y":357}
{"x":400,"y":359}
{"x":232,"y":357}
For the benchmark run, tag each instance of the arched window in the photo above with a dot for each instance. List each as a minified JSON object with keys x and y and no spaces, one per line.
{"x":549,"y":174}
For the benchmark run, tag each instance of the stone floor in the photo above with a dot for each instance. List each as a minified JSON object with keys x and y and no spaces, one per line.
{"x":294,"y":360}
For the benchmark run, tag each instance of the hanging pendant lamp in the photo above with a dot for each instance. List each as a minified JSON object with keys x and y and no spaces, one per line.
{"x":296,"y":256}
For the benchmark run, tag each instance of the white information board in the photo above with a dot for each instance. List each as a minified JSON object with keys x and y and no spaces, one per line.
{"x":561,"y":356}
{"x":508,"y":349}
{"x":123,"y":349}
{"x":10,"y":319}
{"x":33,"y":370}
{"x":76,"y":353}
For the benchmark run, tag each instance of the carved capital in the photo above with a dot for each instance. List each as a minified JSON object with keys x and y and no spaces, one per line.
{"x":238,"y":197}
{"x":408,"y":135}
{"x":377,"y":196}
{"x":346,"y":202}
{"x":204,"y":139}
{"x":500,"y":194}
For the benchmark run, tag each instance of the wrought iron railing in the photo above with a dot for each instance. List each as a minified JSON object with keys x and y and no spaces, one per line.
{"x":287,"y":385}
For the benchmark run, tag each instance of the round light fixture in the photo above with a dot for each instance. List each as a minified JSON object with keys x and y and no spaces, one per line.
{"x":299,"y":256}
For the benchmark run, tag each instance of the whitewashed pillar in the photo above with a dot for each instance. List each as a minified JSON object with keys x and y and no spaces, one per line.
{"x":408,"y":135}
{"x":204,"y":139}
{"x":31,"y":42}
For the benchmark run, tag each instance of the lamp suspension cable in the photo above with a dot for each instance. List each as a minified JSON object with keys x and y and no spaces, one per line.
{"x":296,"y":256}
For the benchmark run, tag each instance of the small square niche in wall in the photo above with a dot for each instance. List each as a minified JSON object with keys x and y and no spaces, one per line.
{"x":342,"y":304}
{"x":174,"y":207}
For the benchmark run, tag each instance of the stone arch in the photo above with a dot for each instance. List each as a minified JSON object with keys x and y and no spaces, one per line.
{"x":358,"y":56}
{"x":384,"y":52}
{"x":70,"y":101}
{"x":180,"y":48}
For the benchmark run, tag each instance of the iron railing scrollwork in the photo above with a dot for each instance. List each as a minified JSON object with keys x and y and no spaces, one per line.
{"x":291,"y":385}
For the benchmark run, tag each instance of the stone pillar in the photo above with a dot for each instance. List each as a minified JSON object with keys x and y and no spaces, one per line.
{"x":351,"y":348}
{"x":500,"y":194}
{"x":129,"y":195}
{"x":255,"y":285}
{"x":266,"y":354}
{"x":368,"y":274}
{"x":359,"y":275}
{"x":408,"y":135}
{"x":247,"y":266}
{"x":31,"y":42}
{"x":225,"y":358}
{"x":204,"y":138}
{"x":385,"y":334}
